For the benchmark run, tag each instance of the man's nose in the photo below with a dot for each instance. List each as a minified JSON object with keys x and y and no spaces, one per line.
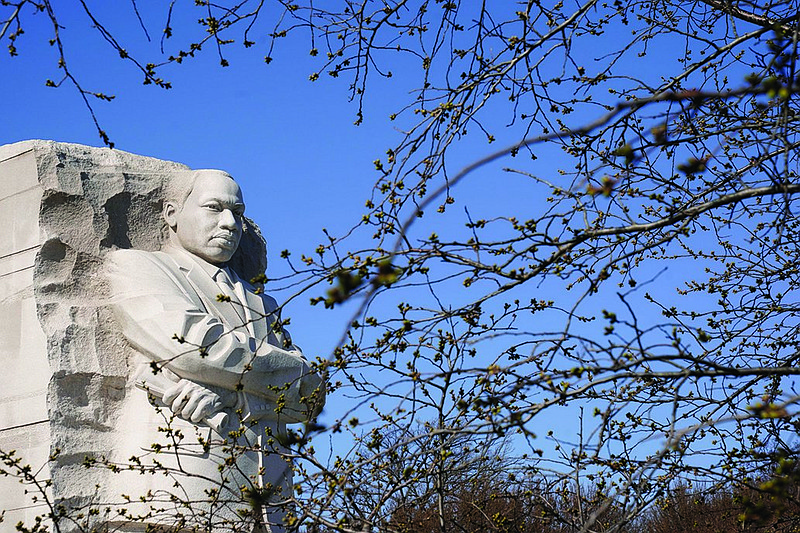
{"x":228,"y":220}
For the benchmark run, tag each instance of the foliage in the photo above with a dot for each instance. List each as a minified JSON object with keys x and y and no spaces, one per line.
{"x":623,"y":314}
{"x":640,"y":269}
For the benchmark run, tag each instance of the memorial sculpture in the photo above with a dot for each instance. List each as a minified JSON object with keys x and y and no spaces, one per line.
{"x":172,"y":378}
{"x":214,"y":355}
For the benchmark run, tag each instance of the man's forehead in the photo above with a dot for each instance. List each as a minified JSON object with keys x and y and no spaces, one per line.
{"x":217,"y":185}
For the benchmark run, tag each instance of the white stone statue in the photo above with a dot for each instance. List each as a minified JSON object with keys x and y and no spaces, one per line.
{"x":216,"y":377}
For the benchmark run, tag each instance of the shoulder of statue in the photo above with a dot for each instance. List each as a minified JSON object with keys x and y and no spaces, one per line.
{"x":132,"y":260}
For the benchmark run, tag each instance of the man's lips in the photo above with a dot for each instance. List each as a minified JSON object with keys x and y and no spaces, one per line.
{"x":226,"y":238}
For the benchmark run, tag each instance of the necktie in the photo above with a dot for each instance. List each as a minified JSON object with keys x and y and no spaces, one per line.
{"x":227,"y":289}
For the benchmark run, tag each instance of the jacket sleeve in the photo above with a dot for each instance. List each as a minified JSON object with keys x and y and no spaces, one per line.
{"x":168,"y":324}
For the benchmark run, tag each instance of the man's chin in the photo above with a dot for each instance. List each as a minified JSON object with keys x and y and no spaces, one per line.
{"x":218,"y":257}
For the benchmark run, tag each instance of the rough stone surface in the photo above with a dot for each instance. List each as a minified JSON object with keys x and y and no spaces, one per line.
{"x":92,"y":200}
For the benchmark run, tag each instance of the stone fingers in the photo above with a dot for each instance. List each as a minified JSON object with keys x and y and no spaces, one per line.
{"x":191,"y":401}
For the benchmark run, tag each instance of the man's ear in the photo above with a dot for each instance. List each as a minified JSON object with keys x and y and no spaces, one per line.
{"x":170,"y":213}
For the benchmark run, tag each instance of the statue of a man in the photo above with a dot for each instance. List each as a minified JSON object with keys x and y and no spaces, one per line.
{"x":219,"y":376}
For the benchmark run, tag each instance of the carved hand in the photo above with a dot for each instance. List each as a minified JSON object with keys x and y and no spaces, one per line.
{"x":192,"y":401}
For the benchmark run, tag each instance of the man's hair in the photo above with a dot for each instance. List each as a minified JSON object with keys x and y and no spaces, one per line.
{"x":180,"y":184}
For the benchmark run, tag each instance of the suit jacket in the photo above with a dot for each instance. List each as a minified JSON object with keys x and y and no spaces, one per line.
{"x":167,"y":308}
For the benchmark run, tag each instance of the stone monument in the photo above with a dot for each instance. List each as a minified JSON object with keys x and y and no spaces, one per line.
{"x":171,"y":378}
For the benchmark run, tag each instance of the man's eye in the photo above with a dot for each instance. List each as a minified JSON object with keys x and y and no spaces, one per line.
{"x":213,"y":207}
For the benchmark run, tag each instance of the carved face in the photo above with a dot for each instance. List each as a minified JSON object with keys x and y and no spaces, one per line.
{"x":209,"y":224}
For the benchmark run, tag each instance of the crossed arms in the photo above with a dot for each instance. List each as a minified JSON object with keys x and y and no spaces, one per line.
{"x":163,"y":317}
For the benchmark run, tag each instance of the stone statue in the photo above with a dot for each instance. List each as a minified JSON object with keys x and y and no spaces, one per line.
{"x":156,"y":392}
{"x":219,"y":378}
